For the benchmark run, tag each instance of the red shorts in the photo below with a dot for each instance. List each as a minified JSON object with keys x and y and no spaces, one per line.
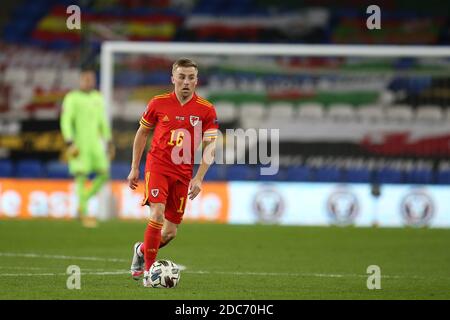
{"x":160,"y":188}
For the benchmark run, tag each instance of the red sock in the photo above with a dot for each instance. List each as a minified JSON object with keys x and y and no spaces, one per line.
{"x":161,"y":244}
{"x":152,"y":238}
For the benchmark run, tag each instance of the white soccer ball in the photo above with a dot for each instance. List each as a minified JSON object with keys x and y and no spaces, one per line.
{"x":164,"y":274}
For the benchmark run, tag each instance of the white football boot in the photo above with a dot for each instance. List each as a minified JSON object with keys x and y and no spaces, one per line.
{"x":137,"y":264}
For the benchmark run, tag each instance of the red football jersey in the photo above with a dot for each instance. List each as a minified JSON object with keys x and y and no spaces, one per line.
{"x":179,"y":130}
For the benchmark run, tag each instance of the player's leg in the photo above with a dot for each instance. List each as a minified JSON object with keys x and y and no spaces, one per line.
{"x":169,"y":232}
{"x":145,"y":253}
{"x":97,"y":183}
{"x":152,"y":236}
{"x":95,"y":160}
{"x":175,"y":206}
{"x":80,"y":183}
{"x":155,"y":197}
{"x":78,"y":169}
{"x":100,"y":165}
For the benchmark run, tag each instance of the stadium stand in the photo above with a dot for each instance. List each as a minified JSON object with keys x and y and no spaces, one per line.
{"x":29,"y":169}
{"x":57,"y":170}
{"x":6,"y":168}
{"x":36,"y":40}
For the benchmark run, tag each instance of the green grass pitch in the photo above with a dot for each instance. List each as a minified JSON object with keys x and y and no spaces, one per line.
{"x":225,"y":261}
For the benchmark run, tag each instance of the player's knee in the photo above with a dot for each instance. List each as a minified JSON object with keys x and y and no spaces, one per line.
{"x":157,"y":211}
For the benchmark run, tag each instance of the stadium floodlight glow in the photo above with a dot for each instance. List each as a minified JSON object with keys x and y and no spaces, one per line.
{"x":109,"y":48}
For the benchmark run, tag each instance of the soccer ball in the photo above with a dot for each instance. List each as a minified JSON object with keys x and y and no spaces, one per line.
{"x":164,"y":274}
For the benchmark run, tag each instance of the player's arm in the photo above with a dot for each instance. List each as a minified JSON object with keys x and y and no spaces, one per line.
{"x":66,"y":124}
{"x":140,"y":141}
{"x":209,"y":147}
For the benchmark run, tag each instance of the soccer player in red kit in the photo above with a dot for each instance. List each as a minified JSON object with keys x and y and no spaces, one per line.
{"x":181,"y":120}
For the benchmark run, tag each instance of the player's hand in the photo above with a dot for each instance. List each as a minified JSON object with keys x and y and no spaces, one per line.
{"x":133,"y":178}
{"x":194,"y":188}
{"x":72,"y":151}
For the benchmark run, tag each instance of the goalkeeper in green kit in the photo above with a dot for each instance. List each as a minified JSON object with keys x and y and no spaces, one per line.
{"x":85,"y":130}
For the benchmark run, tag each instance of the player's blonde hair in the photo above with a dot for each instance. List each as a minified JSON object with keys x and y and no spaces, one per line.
{"x":185,"y":63}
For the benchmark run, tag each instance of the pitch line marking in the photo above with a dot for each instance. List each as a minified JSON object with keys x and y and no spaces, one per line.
{"x":58,"y":257}
{"x":101,"y":272}
{"x":183,"y":268}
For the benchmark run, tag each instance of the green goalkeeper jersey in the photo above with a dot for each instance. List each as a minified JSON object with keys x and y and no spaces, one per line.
{"x":83,"y":121}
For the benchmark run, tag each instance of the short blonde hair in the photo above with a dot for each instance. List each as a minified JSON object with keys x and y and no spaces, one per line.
{"x":185,"y":63}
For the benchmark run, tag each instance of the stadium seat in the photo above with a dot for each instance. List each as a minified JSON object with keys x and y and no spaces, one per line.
{"x":310,"y":111}
{"x":15,"y":76}
{"x":299,"y":173}
{"x":281,"y":111}
{"x":388,"y":175}
{"x":240,"y":172}
{"x":443,"y":177}
{"x":447,"y":114}
{"x":22,"y":96}
{"x":44,"y":78}
{"x":133,"y":110}
{"x":29,"y":169}
{"x":370,"y":112}
{"x":69,"y":78}
{"x":400,"y":113}
{"x":142,"y":170}
{"x":46,"y":114}
{"x":119,"y":170}
{"x":327,"y":174}
{"x":57,"y":170}
{"x":341,"y":111}
{"x":6,"y":168}
{"x":254,"y":109}
{"x":226,"y":111}
{"x":281,"y":175}
{"x":216,"y":172}
{"x":251,"y":114}
{"x":386,"y":97}
{"x":429,"y":113}
{"x":419,"y":175}
{"x":357,"y":175}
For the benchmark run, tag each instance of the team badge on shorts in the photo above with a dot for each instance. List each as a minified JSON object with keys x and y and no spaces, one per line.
{"x":194,"y":120}
{"x":154,"y":192}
